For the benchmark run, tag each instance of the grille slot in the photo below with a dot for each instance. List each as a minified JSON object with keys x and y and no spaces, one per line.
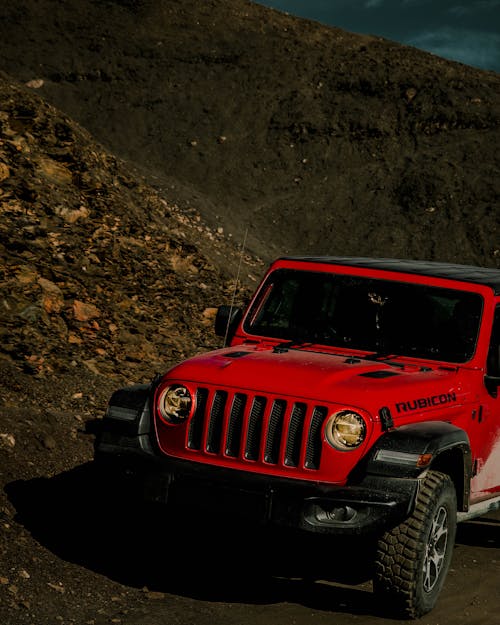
{"x":313,"y":450}
{"x":294,"y":439}
{"x":215,"y":423}
{"x":235,"y":425}
{"x":195,"y":433}
{"x":255,"y":428}
{"x":274,"y":431}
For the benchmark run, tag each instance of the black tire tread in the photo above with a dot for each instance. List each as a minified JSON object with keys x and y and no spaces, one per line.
{"x":396,"y":561}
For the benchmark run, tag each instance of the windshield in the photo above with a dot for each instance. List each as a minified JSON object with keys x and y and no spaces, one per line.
{"x":366,"y":314}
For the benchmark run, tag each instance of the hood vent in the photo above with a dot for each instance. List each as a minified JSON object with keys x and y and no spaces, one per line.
{"x":378,"y":374}
{"x":236,"y":354}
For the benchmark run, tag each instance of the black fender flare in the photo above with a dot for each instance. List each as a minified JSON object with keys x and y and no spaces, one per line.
{"x":128,"y":410}
{"x":127,"y":426}
{"x":410,"y":450}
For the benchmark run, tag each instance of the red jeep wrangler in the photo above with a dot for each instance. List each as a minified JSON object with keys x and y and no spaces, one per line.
{"x":355,"y":396}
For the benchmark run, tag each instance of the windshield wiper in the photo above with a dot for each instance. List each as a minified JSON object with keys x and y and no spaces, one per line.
{"x":382,"y":357}
{"x":281,"y":348}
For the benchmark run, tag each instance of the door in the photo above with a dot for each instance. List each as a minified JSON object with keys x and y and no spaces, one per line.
{"x":486,"y":454}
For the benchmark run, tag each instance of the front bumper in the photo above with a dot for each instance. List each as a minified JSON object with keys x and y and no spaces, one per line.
{"x":371,"y":505}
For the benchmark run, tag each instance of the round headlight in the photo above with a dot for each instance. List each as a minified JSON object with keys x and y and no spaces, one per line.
{"x":175,"y":403}
{"x":345,"y":430}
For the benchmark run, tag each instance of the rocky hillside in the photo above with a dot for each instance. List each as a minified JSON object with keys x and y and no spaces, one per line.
{"x":312,"y":139}
{"x":97,"y":267}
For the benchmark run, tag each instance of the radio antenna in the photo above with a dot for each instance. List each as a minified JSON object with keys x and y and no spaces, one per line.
{"x":235,"y":287}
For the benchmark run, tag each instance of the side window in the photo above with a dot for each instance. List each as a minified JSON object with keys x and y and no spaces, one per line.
{"x":493,"y":364}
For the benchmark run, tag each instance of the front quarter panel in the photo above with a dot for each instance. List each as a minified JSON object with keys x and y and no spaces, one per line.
{"x":409,"y":451}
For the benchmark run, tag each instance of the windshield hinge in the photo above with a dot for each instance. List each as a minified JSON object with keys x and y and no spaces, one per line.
{"x":386,"y":418}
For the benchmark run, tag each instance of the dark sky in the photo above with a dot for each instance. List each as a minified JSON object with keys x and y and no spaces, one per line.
{"x":462,"y":30}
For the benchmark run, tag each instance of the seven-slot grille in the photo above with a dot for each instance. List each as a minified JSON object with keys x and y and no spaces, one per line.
{"x":257,"y":428}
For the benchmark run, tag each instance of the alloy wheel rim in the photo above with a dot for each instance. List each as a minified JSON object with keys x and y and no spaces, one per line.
{"x":435,"y":549}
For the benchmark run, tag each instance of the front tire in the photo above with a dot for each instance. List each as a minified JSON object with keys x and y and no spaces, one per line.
{"x":413,"y":558}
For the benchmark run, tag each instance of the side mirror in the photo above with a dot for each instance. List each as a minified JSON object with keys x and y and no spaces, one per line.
{"x":492,"y":382}
{"x":226,"y":320}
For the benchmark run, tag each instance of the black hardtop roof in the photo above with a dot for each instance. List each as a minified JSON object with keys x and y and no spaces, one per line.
{"x":466,"y":273}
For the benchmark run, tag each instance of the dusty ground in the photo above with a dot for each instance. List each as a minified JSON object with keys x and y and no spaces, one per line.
{"x":110,"y":271}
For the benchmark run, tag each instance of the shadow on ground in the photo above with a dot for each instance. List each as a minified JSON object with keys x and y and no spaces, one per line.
{"x":81,"y":519}
{"x":482,"y":532}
